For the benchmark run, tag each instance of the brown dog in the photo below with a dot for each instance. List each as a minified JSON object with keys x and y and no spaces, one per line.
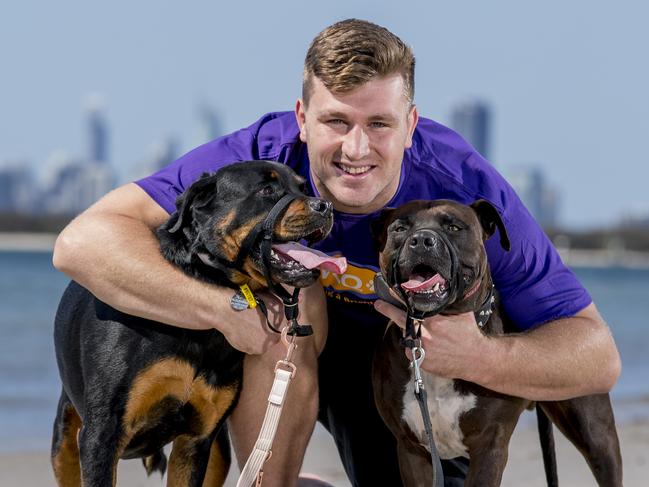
{"x":436,"y":268}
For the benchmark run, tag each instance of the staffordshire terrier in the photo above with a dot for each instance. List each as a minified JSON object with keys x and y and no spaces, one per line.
{"x":433,"y":260}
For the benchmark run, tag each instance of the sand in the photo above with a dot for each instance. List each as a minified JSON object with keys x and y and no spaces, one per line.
{"x":523,"y":469}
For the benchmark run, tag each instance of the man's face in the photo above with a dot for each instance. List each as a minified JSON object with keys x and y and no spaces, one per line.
{"x":356,"y":141}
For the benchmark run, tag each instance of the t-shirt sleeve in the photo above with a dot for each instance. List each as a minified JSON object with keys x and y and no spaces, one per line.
{"x":535,"y":286}
{"x":165,"y":185}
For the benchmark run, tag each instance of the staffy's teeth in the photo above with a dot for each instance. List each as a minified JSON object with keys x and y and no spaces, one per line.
{"x":436,"y":288}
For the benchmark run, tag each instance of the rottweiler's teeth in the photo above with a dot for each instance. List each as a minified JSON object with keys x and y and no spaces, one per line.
{"x":436,"y":288}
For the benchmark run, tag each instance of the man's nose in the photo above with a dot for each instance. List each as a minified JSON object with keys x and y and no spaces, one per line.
{"x":356,"y":143}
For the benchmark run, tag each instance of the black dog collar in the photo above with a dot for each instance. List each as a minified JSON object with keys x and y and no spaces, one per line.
{"x":264,"y":230}
{"x":482,"y":314}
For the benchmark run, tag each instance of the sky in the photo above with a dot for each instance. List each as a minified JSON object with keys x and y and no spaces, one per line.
{"x":567,"y":81}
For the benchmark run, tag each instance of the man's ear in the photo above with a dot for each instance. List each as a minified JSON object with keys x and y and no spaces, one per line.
{"x":490,"y":220}
{"x":199,"y":194}
{"x":379,"y":227}
{"x":300,"y":116}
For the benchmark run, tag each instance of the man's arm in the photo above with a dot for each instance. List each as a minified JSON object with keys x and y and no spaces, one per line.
{"x":561,"y":359}
{"x":111,"y":249}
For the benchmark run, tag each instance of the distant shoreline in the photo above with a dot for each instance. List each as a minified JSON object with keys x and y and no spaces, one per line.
{"x":598,"y":258}
{"x":27,"y":241}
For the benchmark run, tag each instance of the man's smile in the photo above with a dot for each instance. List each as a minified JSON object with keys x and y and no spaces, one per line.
{"x":353,"y":170}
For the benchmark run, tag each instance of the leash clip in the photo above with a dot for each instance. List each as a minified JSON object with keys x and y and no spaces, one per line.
{"x":290,"y":345}
{"x":418,"y":354}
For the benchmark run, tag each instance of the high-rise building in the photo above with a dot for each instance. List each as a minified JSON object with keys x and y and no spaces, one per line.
{"x":97,"y":131}
{"x":471,"y":119}
{"x":17,"y":188}
{"x":162,"y":153}
{"x":537,"y":195}
{"x":209,"y":125}
{"x":77,"y":185}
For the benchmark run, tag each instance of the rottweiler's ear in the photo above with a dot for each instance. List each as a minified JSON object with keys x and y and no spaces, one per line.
{"x":379,"y":227}
{"x":201,"y":192}
{"x":490,"y":220}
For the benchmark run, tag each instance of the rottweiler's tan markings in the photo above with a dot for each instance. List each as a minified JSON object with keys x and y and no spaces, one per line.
{"x":221,"y":227}
{"x":174,"y":377}
{"x":217,"y":468}
{"x":231,"y":242}
{"x":66,"y":461}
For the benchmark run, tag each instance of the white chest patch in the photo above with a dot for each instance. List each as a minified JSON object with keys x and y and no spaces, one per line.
{"x":446,"y":405}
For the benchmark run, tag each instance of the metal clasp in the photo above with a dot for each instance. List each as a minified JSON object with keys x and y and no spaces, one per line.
{"x":418,"y":354}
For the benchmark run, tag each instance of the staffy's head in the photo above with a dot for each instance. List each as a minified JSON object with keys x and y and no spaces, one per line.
{"x":432,"y":253}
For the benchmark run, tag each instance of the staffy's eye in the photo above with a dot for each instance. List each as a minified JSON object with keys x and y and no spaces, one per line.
{"x":400,"y":228}
{"x":453,"y":228}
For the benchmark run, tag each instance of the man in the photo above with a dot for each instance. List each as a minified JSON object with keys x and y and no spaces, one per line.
{"x":357,"y":138}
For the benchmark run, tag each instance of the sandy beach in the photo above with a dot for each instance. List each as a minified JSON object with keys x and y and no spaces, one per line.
{"x":524,"y":468}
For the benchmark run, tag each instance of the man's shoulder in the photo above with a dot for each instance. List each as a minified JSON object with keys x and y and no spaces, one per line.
{"x":273,"y":132}
{"x":434,"y":140}
{"x":460,"y":171}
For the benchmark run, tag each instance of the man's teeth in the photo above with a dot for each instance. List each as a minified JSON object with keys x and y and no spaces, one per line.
{"x":354,"y":169}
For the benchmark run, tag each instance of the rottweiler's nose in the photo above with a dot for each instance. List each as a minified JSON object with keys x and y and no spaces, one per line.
{"x":422,"y":240}
{"x":322,"y":207}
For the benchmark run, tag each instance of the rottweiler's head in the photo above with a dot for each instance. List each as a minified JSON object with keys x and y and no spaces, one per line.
{"x":432,"y":252}
{"x":215,"y":216}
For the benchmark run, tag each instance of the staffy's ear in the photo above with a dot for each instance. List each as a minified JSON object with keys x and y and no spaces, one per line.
{"x":199,"y":194}
{"x":490,"y":220}
{"x":379,"y":227}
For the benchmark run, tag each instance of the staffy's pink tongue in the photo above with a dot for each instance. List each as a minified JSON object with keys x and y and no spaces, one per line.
{"x":417,"y":283}
{"x":311,"y":258}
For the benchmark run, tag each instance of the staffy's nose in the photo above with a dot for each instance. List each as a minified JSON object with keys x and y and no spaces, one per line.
{"x":422,"y":240}
{"x":322,"y":207}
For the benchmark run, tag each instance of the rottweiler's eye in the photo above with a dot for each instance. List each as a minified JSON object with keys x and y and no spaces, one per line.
{"x":453,"y":228}
{"x":400,"y":228}
{"x":267,"y":190}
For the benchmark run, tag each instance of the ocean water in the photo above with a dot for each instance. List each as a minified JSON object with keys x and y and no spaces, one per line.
{"x":29,"y":384}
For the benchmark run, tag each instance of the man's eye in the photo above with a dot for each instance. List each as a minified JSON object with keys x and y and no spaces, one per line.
{"x":267,"y":191}
{"x":378,"y":125}
{"x":336,"y":121}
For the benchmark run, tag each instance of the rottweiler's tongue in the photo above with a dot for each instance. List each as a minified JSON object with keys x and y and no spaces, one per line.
{"x":311,"y":258}
{"x":418,"y":283}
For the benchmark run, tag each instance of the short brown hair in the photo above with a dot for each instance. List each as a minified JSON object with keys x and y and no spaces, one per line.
{"x":351,"y":52}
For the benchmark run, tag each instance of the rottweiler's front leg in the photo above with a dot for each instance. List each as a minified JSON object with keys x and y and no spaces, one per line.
{"x":65,"y":450}
{"x":98,"y":445}
{"x":190,"y":456}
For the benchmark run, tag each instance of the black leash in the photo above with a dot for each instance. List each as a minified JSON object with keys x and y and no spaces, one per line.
{"x":413,"y":330}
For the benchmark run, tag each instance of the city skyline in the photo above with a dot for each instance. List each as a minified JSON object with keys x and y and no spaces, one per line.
{"x":567,"y":91}
{"x":77,"y":182}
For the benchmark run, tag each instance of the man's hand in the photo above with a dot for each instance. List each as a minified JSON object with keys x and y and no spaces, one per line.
{"x":562,"y":359}
{"x":248,"y":330}
{"x":452,"y":343}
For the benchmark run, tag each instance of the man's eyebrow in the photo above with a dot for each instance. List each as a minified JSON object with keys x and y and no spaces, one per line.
{"x":331,"y":114}
{"x":378,"y":117}
{"x":383,"y":117}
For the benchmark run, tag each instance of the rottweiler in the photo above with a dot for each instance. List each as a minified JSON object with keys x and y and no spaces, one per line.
{"x":433,"y":261}
{"x":131,"y":385}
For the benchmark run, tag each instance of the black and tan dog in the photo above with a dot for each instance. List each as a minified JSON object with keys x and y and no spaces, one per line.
{"x":432,"y":258}
{"x":130,"y":385}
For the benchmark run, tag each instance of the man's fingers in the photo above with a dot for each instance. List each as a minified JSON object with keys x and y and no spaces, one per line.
{"x":395,"y":314}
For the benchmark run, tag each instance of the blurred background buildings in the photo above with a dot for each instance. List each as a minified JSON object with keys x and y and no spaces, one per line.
{"x":70,"y":183}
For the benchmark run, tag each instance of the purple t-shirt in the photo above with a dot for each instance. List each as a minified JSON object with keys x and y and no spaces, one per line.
{"x":534,"y":285}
